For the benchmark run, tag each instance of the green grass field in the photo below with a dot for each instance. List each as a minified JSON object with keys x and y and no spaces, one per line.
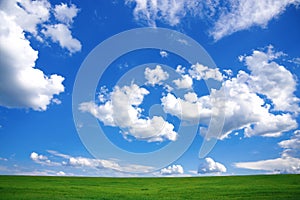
{"x":230,"y":187}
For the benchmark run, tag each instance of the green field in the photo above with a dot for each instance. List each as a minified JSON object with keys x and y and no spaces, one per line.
{"x":230,"y":187}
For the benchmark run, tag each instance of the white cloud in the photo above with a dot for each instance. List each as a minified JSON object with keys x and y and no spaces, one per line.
{"x":163,"y":54}
{"x":226,"y":17}
{"x":243,"y":14}
{"x":208,"y":165}
{"x":41,"y":159}
{"x":249,"y":102}
{"x":199,"y":72}
{"x":3,"y":159}
{"x":185,"y":82}
{"x":61,"y":173}
{"x":23,"y":85}
{"x":289,"y":162}
{"x":65,"y":13}
{"x":67,"y":161}
{"x":155,"y":76}
{"x":151,"y":11}
{"x":123,"y":111}
{"x":180,"y":69}
{"x":61,"y":33}
{"x":291,"y":146}
{"x":187,"y":109}
{"x":273,"y":80}
{"x":93,"y":163}
{"x":27,"y":14}
{"x":172,"y":170}
{"x":279,"y":165}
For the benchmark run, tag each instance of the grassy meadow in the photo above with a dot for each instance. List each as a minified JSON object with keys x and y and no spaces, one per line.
{"x":227,"y":187}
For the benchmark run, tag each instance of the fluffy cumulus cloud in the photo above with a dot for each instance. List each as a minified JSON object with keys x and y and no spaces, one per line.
{"x":208,"y":166}
{"x":190,"y":108}
{"x":272,"y":79}
{"x":23,"y":85}
{"x":41,"y":159}
{"x":61,"y":34}
{"x":27,"y":14}
{"x":289,"y":162}
{"x":261,"y":102}
{"x":65,"y":13}
{"x":156,"y":75}
{"x":199,"y":71}
{"x":226,"y":17}
{"x":122,"y":110}
{"x":185,"y":82}
{"x":172,"y":170}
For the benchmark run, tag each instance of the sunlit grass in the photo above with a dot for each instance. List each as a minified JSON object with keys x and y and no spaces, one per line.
{"x":229,"y":187}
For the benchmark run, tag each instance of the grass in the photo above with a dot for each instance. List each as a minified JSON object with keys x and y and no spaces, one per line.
{"x":230,"y":187}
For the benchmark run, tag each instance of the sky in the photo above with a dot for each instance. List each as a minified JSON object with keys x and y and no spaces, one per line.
{"x":149,"y":87}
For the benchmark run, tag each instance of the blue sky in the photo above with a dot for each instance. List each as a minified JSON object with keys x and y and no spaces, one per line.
{"x":149,"y":111}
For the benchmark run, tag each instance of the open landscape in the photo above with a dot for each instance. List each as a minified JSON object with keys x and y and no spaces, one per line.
{"x":223,"y":187}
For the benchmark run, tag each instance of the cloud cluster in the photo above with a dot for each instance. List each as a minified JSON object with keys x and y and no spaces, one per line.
{"x":291,"y":146}
{"x":172,"y":170}
{"x":261,"y":102}
{"x":289,"y":162}
{"x":155,"y":76}
{"x":60,"y":32}
{"x":66,"y":161}
{"x":22,"y":84}
{"x":208,"y":165}
{"x":122,"y":110}
{"x":41,"y":159}
{"x":226,"y":17}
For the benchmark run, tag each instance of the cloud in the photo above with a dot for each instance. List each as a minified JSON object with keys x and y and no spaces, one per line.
{"x":65,"y":13}
{"x":3,"y":159}
{"x":123,"y":111}
{"x":225,"y":17}
{"x":208,"y":165}
{"x":271,"y":79}
{"x":243,"y":14}
{"x":170,"y":12}
{"x":61,"y":173}
{"x":67,"y":161}
{"x":261,"y":102}
{"x":41,"y":159}
{"x":277,"y":165}
{"x":92,"y":163}
{"x":199,"y":72}
{"x":190,"y":108}
{"x":61,"y":34}
{"x":155,"y":76}
{"x":27,"y":14}
{"x":289,"y":162}
{"x":23,"y":85}
{"x":291,"y":146}
{"x":185,"y":82}
{"x":163,"y":54}
{"x":172,"y":170}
